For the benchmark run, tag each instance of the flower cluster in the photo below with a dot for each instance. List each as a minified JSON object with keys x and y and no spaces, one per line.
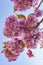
{"x":24,"y":32}
{"x":25,"y":4}
{"x":12,"y":49}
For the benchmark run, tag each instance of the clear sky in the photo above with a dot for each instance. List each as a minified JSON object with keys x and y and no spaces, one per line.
{"x":6,"y":9}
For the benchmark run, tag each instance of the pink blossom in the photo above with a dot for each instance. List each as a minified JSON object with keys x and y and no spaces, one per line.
{"x":25,"y":4}
{"x":38,"y":13}
{"x":22,"y":4}
{"x":11,"y":56}
{"x":32,"y":41}
{"x":11,"y":27}
{"x":13,"y":49}
{"x":15,"y":28}
{"x":32,"y":20}
{"x":30,"y":53}
{"x":36,"y":3}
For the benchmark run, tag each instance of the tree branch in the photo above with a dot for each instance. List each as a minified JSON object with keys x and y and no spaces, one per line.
{"x":39,"y":5}
{"x":30,"y":28}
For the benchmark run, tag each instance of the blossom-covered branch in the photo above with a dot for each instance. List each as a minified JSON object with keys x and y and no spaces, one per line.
{"x":23,"y":32}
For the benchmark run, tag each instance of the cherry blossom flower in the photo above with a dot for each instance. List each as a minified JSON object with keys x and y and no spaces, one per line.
{"x":15,"y":28}
{"x":25,"y":4}
{"x":30,"y":53}
{"x":10,"y":25}
{"x":36,"y":3}
{"x":38,"y":13}
{"x":12,"y":49}
{"x":22,"y":4}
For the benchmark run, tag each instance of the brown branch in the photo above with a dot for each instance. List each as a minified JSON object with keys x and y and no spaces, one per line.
{"x":39,"y":5}
{"x":39,"y":23}
{"x":30,"y":28}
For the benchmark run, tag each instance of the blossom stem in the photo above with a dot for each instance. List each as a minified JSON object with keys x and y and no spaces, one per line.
{"x":39,"y":5}
{"x":39,"y":23}
{"x":30,"y":28}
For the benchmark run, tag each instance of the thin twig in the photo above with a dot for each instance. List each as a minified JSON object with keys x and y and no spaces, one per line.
{"x":38,"y":23}
{"x":39,"y":5}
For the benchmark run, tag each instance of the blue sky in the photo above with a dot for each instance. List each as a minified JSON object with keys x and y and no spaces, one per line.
{"x":6,"y":9}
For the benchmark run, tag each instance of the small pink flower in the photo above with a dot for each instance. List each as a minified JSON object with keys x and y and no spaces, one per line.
{"x":10,"y":26}
{"x":38,"y":13}
{"x":30,"y":53}
{"x":36,"y":3}
{"x":32,"y":20}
